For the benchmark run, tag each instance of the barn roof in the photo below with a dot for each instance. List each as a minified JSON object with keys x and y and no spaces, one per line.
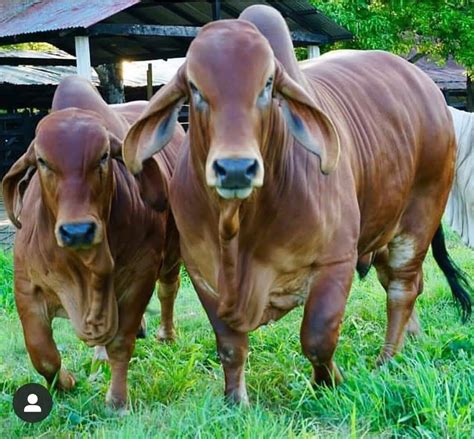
{"x":145,"y":29}
{"x":31,"y":16}
{"x":450,"y":76}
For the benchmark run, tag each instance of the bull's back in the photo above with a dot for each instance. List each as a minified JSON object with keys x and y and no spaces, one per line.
{"x":396,"y":133}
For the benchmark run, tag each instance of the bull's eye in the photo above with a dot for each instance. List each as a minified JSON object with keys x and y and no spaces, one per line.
{"x":199,"y":102}
{"x":104,"y":158}
{"x":43,"y":164}
{"x":265,"y":96}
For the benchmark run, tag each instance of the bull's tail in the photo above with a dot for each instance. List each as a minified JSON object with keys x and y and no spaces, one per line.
{"x":457,"y":279}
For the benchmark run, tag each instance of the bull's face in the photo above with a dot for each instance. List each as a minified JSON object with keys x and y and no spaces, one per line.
{"x":231,"y":78}
{"x":71,"y":153}
{"x":231,"y":102}
{"x":73,"y":160}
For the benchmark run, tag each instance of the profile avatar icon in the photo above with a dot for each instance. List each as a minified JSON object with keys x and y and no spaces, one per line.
{"x":32,"y":402}
{"x":32,"y":407}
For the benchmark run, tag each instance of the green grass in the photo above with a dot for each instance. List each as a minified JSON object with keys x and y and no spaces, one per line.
{"x":176,"y":390}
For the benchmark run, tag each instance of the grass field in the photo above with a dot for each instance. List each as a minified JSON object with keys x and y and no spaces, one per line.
{"x":176,"y":390}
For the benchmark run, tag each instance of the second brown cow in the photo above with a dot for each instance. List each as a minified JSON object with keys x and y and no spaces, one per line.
{"x":93,"y":239}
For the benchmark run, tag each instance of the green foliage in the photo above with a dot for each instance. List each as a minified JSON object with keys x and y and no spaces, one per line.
{"x":436,"y":28}
{"x":7,"y":301}
{"x":176,"y":389}
{"x":38,"y":47}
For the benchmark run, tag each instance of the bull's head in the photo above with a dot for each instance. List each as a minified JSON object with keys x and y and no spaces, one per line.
{"x":231,"y":78}
{"x":71,"y":154}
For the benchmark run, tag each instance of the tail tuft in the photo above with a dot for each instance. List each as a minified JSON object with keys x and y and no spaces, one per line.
{"x":457,"y":279}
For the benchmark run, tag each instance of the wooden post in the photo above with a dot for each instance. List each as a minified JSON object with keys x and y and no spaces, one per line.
{"x":470,"y":93}
{"x":313,"y":52}
{"x":216,"y":10}
{"x":83,"y":57}
{"x":149,"y":81}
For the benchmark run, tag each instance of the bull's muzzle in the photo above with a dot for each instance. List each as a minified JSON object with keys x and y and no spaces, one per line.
{"x":77,"y":234}
{"x":235,"y":178}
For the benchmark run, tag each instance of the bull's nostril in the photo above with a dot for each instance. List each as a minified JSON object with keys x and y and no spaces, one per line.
{"x":77,"y":234}
{"x":235,"y":173}
{"x":252,"y":170}
{"x":219,"y":170}
{"x":90,"y":230}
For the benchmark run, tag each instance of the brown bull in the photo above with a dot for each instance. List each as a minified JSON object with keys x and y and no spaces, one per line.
{"x":289,"y":172}
{"x":93,"y":239}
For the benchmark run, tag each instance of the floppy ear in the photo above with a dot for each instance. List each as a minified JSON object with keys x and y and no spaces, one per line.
{"x":155,"y":127}
{"x":308,"y":123}
{"x":16,"y":181}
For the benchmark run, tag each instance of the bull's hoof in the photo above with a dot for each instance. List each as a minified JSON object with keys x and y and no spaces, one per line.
{"x":117,"y":405}
{"x":166,"y":335}
{"x":237,"y":398}
{"x":141,"y":333}
{"x":384,"y":357}
{"x":413,"y":328}
{"x":66,"y":380}
{"x":327,"y":376}
{"x":117,"y":411}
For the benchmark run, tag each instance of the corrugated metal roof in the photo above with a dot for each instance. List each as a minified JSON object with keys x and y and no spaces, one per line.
{"x":37,"y":75}
{"x":50,"y":20}
{"x":134,"y":73}
{"x":48,"y":15}
{"x":50,"y":54}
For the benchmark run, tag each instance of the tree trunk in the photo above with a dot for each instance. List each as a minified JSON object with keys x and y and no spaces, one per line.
{"x":111,"y":81}
{"x":470,"y":93}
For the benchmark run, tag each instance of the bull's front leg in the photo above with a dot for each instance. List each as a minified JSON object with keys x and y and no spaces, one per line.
{"x":119,"y":352}
{"x":323,"y":314}
{"x":38,"y":334}
{"x":169,"y":282}
{"x":232,"y":347}
{"x":120,"y":349}
{"x":167,"y":293}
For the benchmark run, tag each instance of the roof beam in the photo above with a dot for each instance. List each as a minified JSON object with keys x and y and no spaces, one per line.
{"x":174,"y":10}
{"x":216,"y":10}
{"x":300,"y":38}
{"x":147,"y":30}
{"x":36,"y":61}
{"x":180,"y":13}
{"x":307,"y":38}
{"x":143,"y":30}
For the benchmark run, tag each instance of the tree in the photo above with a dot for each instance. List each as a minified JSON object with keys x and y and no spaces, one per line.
{"x":437,"y":28}
{"x":38,"y":47}
{"x":111,"y":80}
